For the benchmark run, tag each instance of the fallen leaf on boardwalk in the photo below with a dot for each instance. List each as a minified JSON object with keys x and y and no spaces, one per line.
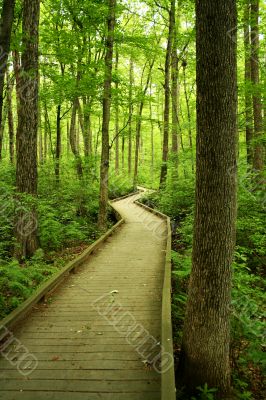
{"x":55,"y":358}
{"x":147,"y":365}
{"x":114,"y":292}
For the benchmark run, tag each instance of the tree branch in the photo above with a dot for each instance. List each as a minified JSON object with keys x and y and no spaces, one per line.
{"x":116,"y":136}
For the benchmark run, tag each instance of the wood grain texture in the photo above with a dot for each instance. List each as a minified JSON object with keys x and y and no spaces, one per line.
{"x":85,"y":355}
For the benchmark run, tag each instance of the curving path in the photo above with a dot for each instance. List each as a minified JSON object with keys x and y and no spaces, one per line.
{"x":97,"y":337}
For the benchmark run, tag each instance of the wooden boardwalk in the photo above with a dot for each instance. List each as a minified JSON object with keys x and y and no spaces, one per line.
{"x":81,"y":337}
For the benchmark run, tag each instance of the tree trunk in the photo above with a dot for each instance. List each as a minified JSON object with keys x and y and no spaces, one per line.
{"x":175,"y":106}
{"x":74,"y":139}
{"x":48,"y":135}
{"x":2,"y":127}
{"x":16,"y":67}
{"x":139,"y":121}
{"x":248,"y":98}
{"x":130,"y":112}
{"x":103,"y":200}
{"x":87,"y":128}
{"x":58,"y":144}
{"x":258,"y":158}
{"x":5,"y":37}
{"x":26,"y":178}
{"x":167,"y":93}
{"x":45,"y":137}
{"x":206,"y":336}
{"x":116,"y":115}
{"x":188,"y":116}
{"x":40,"y":140}
{"x":68,"y":138}
{"x":152,"y":136}
{"x":123,"y":153}
{"x":10,"y":118}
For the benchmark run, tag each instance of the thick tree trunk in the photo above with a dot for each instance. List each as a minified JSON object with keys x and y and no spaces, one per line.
{"x":26,"y":178}
{"x":248,"y":98}
{"x":10,"y":119}
{"x":167,"y":93}
{"x":206,"y":336}
{"x":104,"y":178}
{"x":258,"y":158}
{"x":5,"y":37}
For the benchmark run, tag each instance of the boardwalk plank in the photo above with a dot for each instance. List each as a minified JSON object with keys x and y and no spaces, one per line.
{"x":81,"y":356}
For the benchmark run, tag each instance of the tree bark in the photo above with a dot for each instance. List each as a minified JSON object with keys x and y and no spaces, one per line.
{"x":87,"y":128}
{"x":104,"y":174}
{"x":152,"y":135}
{"x":45,"y":137}
{"x":188,"y":116}
{"x":130,"y":112}
{"x":139,"y":121}
{"x":258,"y":158}
{"x":248,"y":98}
{"x":175,"y":108}
{"x":16,"y":67}
{"x":206,"y":336}
{"x":116,"y":115}
{"x":5,"y":37}
{"x":167,"y":93}
{"x":58,"y":144}
{"x":123,"y":153}
{"x":10,"y":119}
{"x":27,"y":176}
{"x":74,"y":139}
{"x":2,"y":126}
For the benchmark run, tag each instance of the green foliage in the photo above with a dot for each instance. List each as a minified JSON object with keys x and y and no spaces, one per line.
{"x":205,"y":393}
{"x":119,"y":185}
{"x":18,"y":282}
{"x":176,"y":200}
{"x":251,"y":238}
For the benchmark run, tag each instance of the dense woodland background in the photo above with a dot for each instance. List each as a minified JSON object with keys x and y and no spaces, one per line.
{"x":69,"y":66}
